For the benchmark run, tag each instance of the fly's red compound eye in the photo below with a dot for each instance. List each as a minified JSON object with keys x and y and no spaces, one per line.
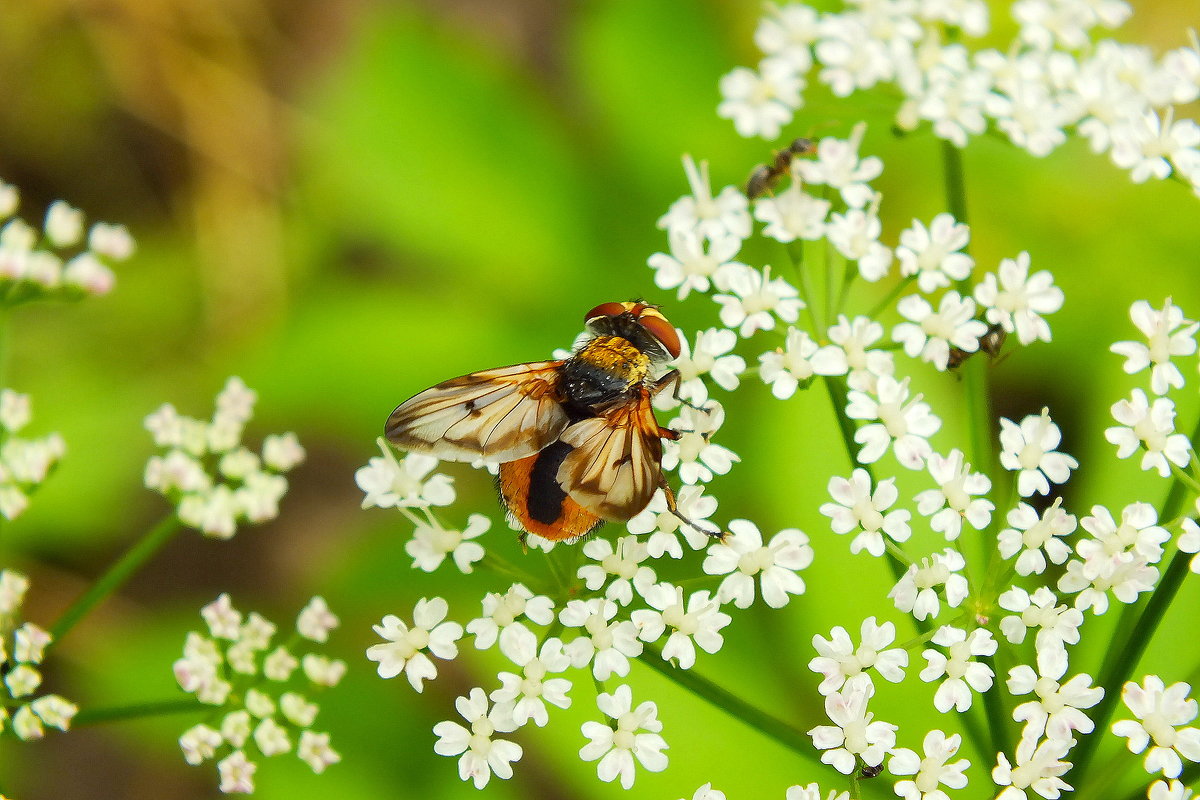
{"x":658,"y":327}
{"x":605,"y":310}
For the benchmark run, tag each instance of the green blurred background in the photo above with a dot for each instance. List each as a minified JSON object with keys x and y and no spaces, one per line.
{"x":346,"y":201}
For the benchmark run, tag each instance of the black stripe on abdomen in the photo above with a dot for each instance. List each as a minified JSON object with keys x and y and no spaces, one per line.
{"x":545,"y":495}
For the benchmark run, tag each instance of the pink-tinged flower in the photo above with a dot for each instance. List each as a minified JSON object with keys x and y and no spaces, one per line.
{"x":1056,"y":711}
{"x":893,"y":419}
{"x":961,"y":672}
{"x":956,"y":498}
{"x":931,"y":772}
{"x":482,"y":755}
{"x":1037,"y":766}
{"x":917,"y":592}
{"x":855,"y":733}
{"x":839,"y":661}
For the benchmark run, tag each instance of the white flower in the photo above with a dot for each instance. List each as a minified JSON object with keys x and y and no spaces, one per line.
{"x":784,"y":369}
{"x":1038,"y":767}
{"x":706,"y":792}
{"x":837,"y":165}
{"x":1057,"y":625}
{"x":916,"y":592}
{"x":1189,"y":542}
{"x":1151,"y":427}
{"x":1138,"y":533}
{"x":864,"y":364}
{"x":851,"y":57}
{"x":15,"y":410}
{"x":1160,"y":711}
{"x":315,"y":620}
{"x":482,"y":755}
{"x":1044,"y":24}
{"x":696,"y":622}
{"x":224,"y":621}
{"x":237,"y":773}
{"x":726,"y":215}
{"x":431,"y":543}
{"x":622,"y":562}
{"x":1056,"y":713}
{"x":634,"y":735}
{"x":1161,"y":790}
{"x":756,"y":299}
{"x":934,"y":254}
{"x":761,"y":103}
{"x":198,"y":743}
{"x":404,"y":650}
{"x":697,"y":458}
{"x":932,"y":771}
{"x":788,"y":32}
{"x":839,"y":661}
{"x":502,"y":614}
{"x":1169,"y":334}
{"x":1148,"y":146}
{"x":1017,"y":300}
{"x":1035,"y":537}
{"x":962,"y":673}
{"x":710,"y":356}
{"x":690,"y":266}
{"x":955,"y":93}
{"x":813,"y":792}
{"x":315,"y":751}
{"x":792,"y":214}
{"x":603,"y":641}
{"x":529,"y":692}
{"x":856,"y":506}
{"x":898,"y":421}
{"x":64,"y":224}
{"x":854,"y":735}
{"x":1126,"y":575}
{"x":743,"y":556}
{"x":1028,"y":449}
{"x":112,"y":241}
{"x":954,"y":501}
{"x":855,"y":234}
{"x":692,"y":503}
{"x":388,"y":483}
{"x":930,"y":334}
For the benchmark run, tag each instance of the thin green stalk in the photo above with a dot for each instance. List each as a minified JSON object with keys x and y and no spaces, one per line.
{"x":782,"y":732}
{"x":891,"y":296}
{"x":956,"y":187}
{"x":795,"y":251}
{"x":93,"y":716}
{"x":117,"y":574}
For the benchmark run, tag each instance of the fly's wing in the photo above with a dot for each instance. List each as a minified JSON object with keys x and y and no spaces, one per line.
{"x":501,"y":414}
{"x":616,"y":462}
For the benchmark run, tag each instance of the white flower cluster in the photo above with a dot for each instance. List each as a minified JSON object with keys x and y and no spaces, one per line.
{"x":213,"y":479}
{"x":58,"y":261}
{"x":22,"y":713}
{"x":619,"y":610}
{"x":1051,"y":81}
{"x":257,"y":691}
{"x":24,"y":463}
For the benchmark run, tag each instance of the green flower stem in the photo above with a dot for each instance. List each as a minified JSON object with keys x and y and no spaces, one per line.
{"x":891,"y":296}
{"x":93,"y":716}
{"x":956,"y":187}
{"x":795,"y":251}
{"x":782,"y":732}
{"x":1184,"y":478}
{"x":1133,"y":637}
{"x":134,"y":558}
{"x":998,"y":717}
{"x":500,"y":566}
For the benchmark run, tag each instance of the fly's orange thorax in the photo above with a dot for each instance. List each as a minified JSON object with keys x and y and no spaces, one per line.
{"x":618,"y":357}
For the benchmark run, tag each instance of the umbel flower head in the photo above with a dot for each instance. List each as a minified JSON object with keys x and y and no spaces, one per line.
{"x":57,"y":261}
{"x":260,"y":693}
{"x":213,"y":479}
{"x":23,"y":712}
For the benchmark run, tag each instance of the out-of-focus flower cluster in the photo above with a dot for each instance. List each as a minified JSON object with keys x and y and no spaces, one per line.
{"x":214,"y":480}
{"x":22,"y":647}
{"x":1053,"y":80}
{"x":62,"y":260}
{"x":24,"y":463}
{"x":262,"y":692}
